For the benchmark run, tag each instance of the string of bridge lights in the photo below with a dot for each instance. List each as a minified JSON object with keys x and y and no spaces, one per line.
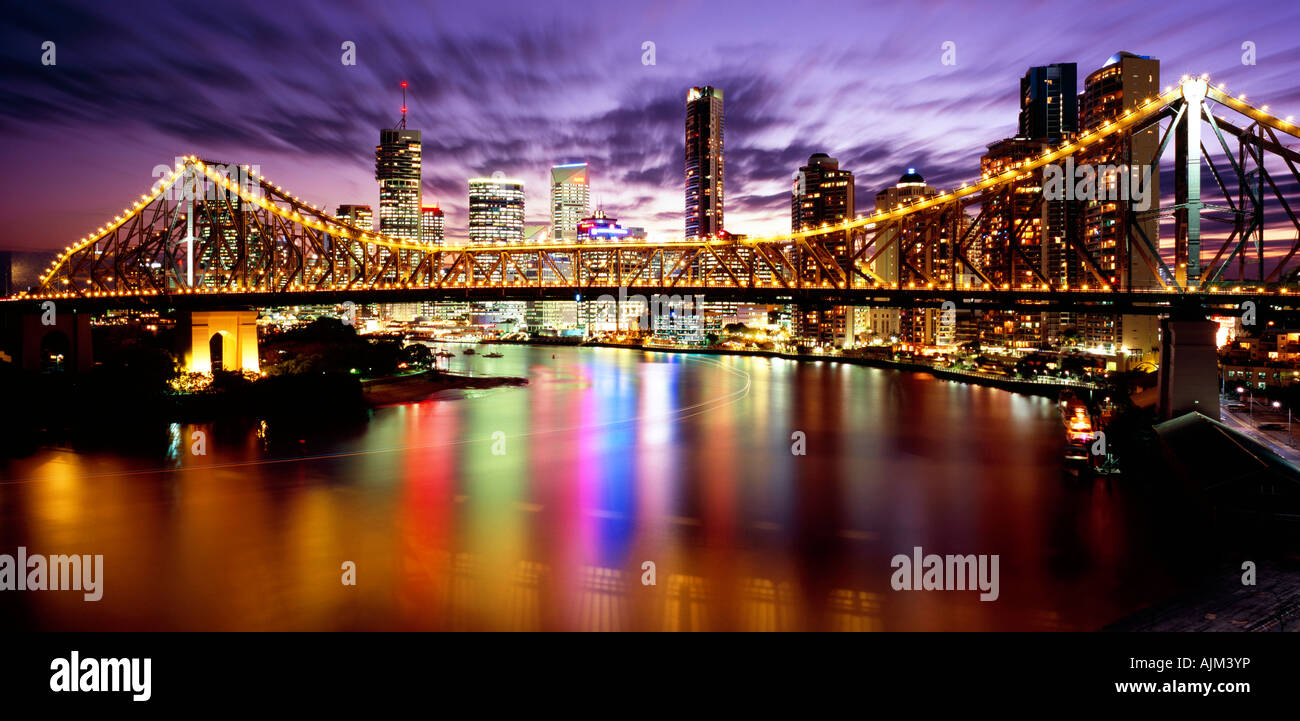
{"x":347,"y":231}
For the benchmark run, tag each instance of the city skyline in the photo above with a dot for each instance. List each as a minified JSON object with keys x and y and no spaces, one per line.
{"x":550,"y":105}
{"x":422,"y":317}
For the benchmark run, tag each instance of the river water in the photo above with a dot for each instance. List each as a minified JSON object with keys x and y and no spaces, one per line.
{"x":539,"y":507}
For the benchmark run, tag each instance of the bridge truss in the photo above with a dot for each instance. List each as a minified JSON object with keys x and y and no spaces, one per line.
{"x":207,"y":229}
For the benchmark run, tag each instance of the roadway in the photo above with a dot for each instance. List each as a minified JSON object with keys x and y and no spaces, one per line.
{"x":1284,"y":307}
{"x":1248,"y":425}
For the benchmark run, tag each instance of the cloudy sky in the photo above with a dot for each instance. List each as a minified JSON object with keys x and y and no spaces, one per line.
{"x":516,"y":87}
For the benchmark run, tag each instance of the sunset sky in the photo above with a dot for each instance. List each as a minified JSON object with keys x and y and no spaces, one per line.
{"x":516,"y":87}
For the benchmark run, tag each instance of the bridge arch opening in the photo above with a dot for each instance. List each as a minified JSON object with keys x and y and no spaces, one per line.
{"x":216,"y":350}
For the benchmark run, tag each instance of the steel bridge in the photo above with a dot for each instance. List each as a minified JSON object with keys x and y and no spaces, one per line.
{"x":205,"y":237}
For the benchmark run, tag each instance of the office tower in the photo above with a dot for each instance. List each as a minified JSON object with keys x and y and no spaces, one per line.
{"x":570,"y":200}
{"x":1117,"y":232}
{"x":397,"y":168}
{"x":886,"y":324}
{"x":1049,"y":102}
{"x":822,"y":194}
{"x":704,"y":162}
{"x":359,"y":215}
{"x":496,"y":211}
{"x":496,"y":217}
{"x":432,"y":225}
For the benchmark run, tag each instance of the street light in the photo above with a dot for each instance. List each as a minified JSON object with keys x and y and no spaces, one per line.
{"x":1289,"y":440}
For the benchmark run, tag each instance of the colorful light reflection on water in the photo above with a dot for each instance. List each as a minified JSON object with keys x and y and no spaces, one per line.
{"x":611,"y":458}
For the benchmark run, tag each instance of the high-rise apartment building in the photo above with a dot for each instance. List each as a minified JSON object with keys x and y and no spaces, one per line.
{"x":1015,"y":225}
{"x":887,"y":323}
{"x":1014,"y":238}
{"x":1049,"y":107}
{"x":1116,"y":232}
{"x":822,"y":194}
{"x":570,"y":200}
{"x":1049,"y":113}
{"x":496,"y":211}
{"x":1124,"y":83}
{"x":704,"y":162}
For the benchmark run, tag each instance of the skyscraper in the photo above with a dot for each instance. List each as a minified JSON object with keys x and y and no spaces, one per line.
{"x":1049,"y":113}
{"x":397,"y":168}
{"x":1048,"y":102}
{"x":1124,"y":83}
{"x":1115,"y":232}
{"x":570,"y":200}
{"x":496,"y":211}
{"x":432,"y":225}
{"x":822,"y":194}
{"x":887,"y":323}
{"x":704,"y":162}
{"x":1013,"y":244}
{"x":1013,"y":240}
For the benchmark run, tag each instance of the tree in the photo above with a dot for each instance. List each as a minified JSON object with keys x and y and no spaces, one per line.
{"x":417,"y":355}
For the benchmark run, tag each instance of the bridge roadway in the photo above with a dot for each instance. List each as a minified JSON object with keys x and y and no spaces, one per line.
{"x":1271,"y":305}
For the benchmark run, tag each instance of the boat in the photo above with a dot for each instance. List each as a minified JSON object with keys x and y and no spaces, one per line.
{"x":493,"y":355}
{"x":1079,"y":435}
{"x":444,"y":354}
{"x":468,"y":351}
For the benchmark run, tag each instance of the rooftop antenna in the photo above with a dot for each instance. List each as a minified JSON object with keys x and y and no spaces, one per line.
{"x":402,"y":123}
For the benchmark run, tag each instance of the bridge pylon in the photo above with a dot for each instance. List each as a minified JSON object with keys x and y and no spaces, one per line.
{"x":1189,"y":367}
{"x":217,"y":340}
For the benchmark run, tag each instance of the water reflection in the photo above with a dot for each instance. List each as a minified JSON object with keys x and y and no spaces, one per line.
{"x":535,"y":508}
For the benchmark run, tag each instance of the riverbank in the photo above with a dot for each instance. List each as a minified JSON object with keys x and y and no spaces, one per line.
{"x":1047,"y":389}
{"x":419,"y":386}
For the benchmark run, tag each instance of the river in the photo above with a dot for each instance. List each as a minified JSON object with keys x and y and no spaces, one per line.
{"x":539,"y":507}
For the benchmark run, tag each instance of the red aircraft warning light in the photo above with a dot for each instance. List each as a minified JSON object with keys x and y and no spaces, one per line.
{"x":402,"y":122}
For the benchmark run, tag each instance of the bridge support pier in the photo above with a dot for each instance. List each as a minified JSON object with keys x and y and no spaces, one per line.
{"x":52,"y":342}
{"x":1189,"y":368}
{"x":221,"y":340}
